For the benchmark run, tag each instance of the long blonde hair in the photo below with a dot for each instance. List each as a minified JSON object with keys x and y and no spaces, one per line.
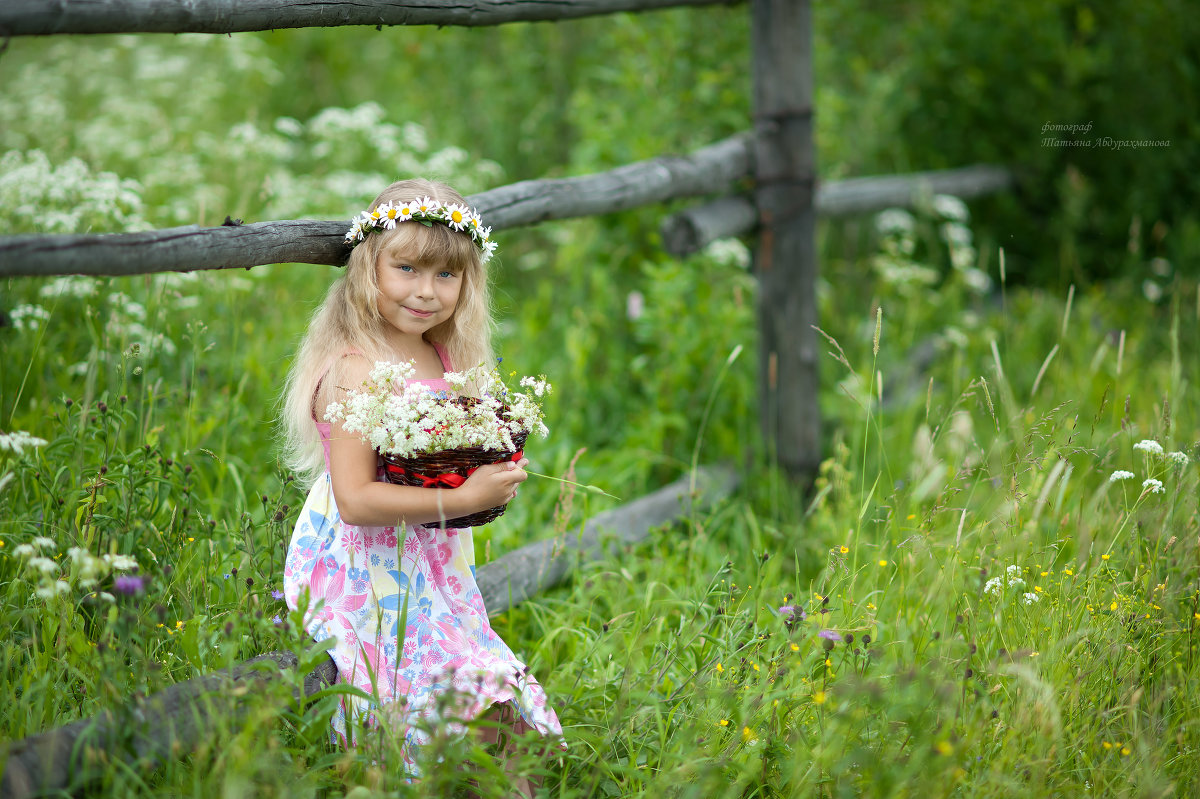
{"x":349,"y":319}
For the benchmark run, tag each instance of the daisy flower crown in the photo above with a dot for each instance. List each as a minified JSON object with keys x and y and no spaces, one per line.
{"x":427,"y":212}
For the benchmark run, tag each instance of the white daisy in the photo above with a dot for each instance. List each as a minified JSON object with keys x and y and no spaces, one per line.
{"x":405,"y":211}
{"x":426,"y":206}
{"x":457,"y":216}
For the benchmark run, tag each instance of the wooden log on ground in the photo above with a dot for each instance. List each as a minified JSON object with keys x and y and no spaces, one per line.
{"x":533,"y":568}
{"x":48,"y":17}
{"x":708,"y":170}
{"x":173,"y":721}
{"x":145,"y":731}
{"x":692,"y":229}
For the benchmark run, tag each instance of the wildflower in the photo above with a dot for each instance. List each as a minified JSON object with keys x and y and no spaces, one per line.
{"x":1113,"y":606}
{"x":1120,"y":474}
{"x":747,"y":734}
{"x":1106,"y":744}
{"x":795,"y":648}
{"x":1125,"y":750}
{"x":829,"y":635}
{"x":44,"y":565}
{"x":17,"y":441}
{"x":883,"y":563}
{"x":121,"y":562}
{"x":1177,"y":458}
{"x":275,"y":594}
{"x":1104,"y":556}
{"x":1030,"y":598}
{"x":943,"y":748}
{"x":723,"y":723}
{"x":1068,"y":572}
{"x":950,"y":207}
{"x":129,"y":584}
{"x":843,"y":549}
{"x":720,"y":669}
{"x":818,"y":697}
{"x":24,"y":550}
{"x":1149,"y":446}
{"x":1152,"y":486}
{"x":42,"y":542}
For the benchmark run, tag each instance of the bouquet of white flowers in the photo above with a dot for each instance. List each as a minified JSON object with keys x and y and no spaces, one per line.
{"x":435,"y":438}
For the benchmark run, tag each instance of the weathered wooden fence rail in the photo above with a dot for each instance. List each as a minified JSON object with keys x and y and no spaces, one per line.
{"x":48,"y":17}
{"x":191,"y":247}
{"x":178,"y":719}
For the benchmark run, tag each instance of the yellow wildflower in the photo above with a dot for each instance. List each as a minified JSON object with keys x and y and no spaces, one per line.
{"x":818,"y":697}
{"x":723,"y":723}
{"x":844,"y":549}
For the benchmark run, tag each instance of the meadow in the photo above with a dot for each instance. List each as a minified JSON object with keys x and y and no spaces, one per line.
{"x":990,"y":588}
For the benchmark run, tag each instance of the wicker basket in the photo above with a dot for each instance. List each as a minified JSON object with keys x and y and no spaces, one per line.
{"x":448,"y":469}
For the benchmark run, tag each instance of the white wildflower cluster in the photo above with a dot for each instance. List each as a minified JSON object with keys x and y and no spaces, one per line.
{"x":18,"y":441}
{"x":28,"y":318}
{"x":82,"y":567}
{"x":1178,"y":458}
{"x":68,"y":198}
{"x":404,"y":419}
{"x":1120,"y":474}
{"x":1010,"y":579}
{"x":1149,"y":446}
{"x":1152,"y":486}
{"x":1030,"y":598}
{"x":77,"y":286}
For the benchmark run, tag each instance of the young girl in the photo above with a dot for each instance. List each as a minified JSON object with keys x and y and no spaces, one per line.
{"x":369,"y":558}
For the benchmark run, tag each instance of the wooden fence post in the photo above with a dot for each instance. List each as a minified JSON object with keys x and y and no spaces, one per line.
{"x":786,"y":253}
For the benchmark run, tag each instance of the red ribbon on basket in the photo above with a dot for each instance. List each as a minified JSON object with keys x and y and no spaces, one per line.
{"x":448,"y":480}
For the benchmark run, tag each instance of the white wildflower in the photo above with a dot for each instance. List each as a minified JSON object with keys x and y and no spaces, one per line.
{"x":69,"y":286}
{"x":1029,"y":598}
{"x":894,"y":221}
{"x":994,"y":586}
{"x":24,"y":550}
{"x":1178,"y":458}
{"x":950,"y":207}
{"x":1120,"y":474}
{"x":1152,"y":486}
{"x":42,"y":542}
{"x":1150,"y":446}
{"x":729,"y":252}
{"x":17,"y":441}
{"x":44,"y":565}
{"x":1013,"y":571}
{"x":28,"y":318}
{"x":121,"y":562}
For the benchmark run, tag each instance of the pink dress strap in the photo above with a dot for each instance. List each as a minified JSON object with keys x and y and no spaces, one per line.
{"x":447,"y":366}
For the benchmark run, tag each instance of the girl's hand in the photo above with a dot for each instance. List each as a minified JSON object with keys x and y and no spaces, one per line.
{"x":495,"y":483}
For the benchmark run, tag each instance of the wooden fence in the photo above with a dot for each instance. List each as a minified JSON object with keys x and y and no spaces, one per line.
{"x":776,"y":156}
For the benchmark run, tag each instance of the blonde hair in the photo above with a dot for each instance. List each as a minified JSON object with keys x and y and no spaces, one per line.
{"x":349,"y":319}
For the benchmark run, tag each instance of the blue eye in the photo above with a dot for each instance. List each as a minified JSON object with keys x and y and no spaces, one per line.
{"x":404,"y":267}
{"x":445,"y":273}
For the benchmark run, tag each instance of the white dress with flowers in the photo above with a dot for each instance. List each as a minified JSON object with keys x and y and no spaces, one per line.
{"x":409,"y":622}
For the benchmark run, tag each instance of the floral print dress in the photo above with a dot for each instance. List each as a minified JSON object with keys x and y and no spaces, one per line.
{"x":410,"y":626}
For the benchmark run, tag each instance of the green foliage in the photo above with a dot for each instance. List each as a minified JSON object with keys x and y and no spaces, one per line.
{"x":985,"y":82}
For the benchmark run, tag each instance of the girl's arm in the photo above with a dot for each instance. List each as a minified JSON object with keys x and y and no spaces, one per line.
{"x":364,"y":501}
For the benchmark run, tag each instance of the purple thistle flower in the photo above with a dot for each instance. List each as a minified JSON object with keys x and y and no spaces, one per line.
{"x":830,"y":635}
{"x":129,"y":584}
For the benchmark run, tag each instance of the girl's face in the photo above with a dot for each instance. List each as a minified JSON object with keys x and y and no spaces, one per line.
{"x":415,"y":295}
